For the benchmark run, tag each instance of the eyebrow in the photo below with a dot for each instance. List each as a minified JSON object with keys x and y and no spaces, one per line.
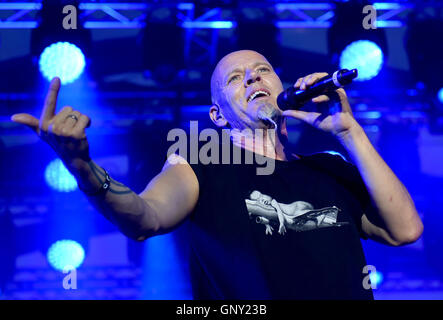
{"x":255,"y":65}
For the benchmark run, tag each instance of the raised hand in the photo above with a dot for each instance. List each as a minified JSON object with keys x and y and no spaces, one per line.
{"x":64,"y":131}
{"x":338,"y":120}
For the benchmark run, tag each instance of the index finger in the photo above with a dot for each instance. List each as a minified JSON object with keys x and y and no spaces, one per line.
{"x":50,"y":100}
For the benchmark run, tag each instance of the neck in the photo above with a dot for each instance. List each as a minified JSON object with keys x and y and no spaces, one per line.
{"x":265,"y":142}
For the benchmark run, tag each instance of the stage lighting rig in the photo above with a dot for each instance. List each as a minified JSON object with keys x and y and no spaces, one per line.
{"x":353,"y":46}
{"x":163,"y":45}
{"x":256,"y":30}
{"x":49,"y":42}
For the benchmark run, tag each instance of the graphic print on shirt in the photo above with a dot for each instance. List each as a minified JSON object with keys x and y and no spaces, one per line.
{"x":298,"y":215}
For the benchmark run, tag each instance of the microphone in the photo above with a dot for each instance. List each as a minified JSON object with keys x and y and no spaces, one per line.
{"x":292,"y":98}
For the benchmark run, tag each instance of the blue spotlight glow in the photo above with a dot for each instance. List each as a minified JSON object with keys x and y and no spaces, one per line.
{"x":58,"y":177}
{"x":440,"y":95}
{"x":62,"y":59}
{"x":65,"y":253}
{"x":209,"y":24}
{"x":164,"y":277}
{"x":364,"y":55}
{"x":376,"y":278}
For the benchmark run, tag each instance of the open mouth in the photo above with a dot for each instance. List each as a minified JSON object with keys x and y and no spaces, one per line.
{"x":257,"y":94}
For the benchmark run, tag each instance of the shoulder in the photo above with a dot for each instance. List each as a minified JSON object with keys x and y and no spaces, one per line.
{"x":329,"y":159}
{"x":335,"y":165}
{"x":179,"y":168}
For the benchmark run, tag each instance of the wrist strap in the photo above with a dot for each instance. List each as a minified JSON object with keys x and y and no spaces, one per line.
{"x":103,"y":189}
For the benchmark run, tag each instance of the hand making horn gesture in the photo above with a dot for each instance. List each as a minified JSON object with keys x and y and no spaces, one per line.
{"x":64,"y":131}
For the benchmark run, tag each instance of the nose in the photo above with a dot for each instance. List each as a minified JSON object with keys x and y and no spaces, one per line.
{"x":251,"y":77}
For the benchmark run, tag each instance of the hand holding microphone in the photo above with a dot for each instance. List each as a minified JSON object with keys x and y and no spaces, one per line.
{"x":292,"y":98}
{"x":317,"y":87}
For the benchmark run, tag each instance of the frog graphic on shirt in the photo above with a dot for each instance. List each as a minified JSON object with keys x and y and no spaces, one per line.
{"x":298,"y":215}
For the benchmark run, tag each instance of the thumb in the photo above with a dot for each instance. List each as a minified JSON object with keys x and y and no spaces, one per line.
{"x":26,"y":119}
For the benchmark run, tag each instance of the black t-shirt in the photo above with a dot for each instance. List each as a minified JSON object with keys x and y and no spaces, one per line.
{"x":237,"y":251}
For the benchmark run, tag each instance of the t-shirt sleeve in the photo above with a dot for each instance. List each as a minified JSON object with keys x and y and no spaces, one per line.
{"x":199,"y":173}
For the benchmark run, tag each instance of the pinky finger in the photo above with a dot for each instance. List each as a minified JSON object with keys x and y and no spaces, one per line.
{"x":322,"y":98}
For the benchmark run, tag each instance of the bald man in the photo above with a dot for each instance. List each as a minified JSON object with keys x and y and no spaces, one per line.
{"x":293,"y":234}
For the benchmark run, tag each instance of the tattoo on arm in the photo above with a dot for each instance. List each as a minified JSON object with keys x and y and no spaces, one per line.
{"x":96,"y":170}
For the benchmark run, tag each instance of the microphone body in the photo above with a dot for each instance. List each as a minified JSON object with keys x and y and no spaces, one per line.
{"x":292,"y":98}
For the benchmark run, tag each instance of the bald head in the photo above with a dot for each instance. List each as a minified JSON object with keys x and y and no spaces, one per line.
{"x":223,"y":67}
{"x":233,"y":81}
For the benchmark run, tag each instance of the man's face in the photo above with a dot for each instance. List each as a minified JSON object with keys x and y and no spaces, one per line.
{"x":243,"y":83}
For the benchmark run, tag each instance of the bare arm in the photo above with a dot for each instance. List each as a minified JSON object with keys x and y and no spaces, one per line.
{"x":166,"y":202}
{"x":398,"y":222}
{"x":172,"y":195}
{"x":401,"y":223}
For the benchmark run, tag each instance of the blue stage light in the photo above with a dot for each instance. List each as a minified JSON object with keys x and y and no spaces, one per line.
{"x":364,"y":55}
{"x":58,"y":177}
{"x":376,"y":278}
{"x":209,"y":24}
{"x":65,"y":254}
{"x":440,"y":95}
{"x":63,"y":60}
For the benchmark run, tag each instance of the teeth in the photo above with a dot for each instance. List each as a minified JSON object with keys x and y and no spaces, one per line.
{"x":256,"y":93}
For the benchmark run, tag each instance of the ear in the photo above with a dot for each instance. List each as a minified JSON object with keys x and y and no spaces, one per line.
{"x":217,"y":117}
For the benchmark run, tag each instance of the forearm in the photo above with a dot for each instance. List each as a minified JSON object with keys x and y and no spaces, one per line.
{"x":395,"y":206}
{"x":120,"y":205}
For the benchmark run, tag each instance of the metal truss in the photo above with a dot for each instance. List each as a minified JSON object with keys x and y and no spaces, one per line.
{"x":113,"y":15}
{"x":319,"y":15}
{"x":202,"y":28}
{"x":202,"y":25}
{"x":132,"y":15}
{"x":18,"y":15}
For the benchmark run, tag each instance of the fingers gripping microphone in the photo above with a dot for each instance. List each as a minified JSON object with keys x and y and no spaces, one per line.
{"x":292,"y":98}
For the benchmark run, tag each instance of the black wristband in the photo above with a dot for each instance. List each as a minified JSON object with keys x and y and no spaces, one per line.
{"x":103,"y":189}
